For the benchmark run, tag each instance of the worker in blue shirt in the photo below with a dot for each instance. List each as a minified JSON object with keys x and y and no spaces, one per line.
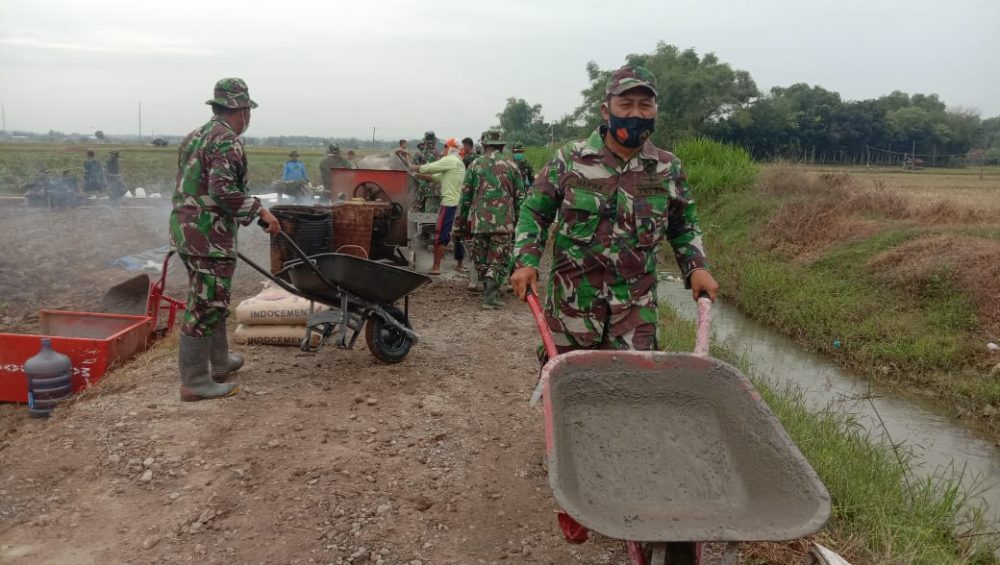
{"x":294,"y":180}
{"x":295,"y":170}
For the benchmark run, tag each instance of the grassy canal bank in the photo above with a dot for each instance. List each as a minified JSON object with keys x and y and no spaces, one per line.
{"x":894,"y":274}
{"x":878,"y":516}
{"x":891,"y":277}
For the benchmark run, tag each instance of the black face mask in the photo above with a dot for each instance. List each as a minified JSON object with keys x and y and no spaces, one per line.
{"x":630,"y":132}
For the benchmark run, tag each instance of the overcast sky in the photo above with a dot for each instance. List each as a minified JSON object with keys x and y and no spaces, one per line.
{"x":330,"y":68}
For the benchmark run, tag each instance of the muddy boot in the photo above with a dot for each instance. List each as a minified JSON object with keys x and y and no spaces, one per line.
{"x":491,"y":298}
{"x":196,"y":375}
{"x":223,"y":362}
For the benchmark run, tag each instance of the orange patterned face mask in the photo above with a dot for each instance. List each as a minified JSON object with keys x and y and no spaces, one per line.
{"x":631,"y":132}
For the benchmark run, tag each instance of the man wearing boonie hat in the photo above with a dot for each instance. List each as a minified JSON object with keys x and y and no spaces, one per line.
{"x":614,"y":197}
{"x":211,"y":200}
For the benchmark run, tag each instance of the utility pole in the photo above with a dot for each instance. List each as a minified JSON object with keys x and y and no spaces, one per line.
{"x":3,"y":114}
{"x":373,"y":134}
{"x":140,"y":121}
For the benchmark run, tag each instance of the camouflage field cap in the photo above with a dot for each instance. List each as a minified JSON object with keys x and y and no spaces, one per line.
{"x":332,"y":148}
{"x":493,"y":137}
{"x":429,"y":136}
{"x":628,"y":77}
{"x":518,"y":147}
{"x":232,"y":93}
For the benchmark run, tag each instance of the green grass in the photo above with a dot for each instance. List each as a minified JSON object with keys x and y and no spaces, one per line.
{"x":877,"y":516}
{"x":927,"y":337}
{"x":714,"y":167}
{"x":146,"y":166}
{"x":538,"y":156}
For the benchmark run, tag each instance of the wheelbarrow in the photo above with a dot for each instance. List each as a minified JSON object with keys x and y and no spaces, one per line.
{"x":361,"y":294}
{"x":669,"y":450}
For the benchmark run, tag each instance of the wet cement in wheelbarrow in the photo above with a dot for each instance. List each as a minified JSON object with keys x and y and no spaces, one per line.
{"x":689,"y":457}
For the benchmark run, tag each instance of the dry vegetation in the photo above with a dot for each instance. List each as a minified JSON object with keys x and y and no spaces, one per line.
{"x":822,"y":209}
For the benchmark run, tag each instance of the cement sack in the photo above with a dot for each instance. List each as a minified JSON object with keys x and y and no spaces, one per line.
{"x":274,"y":306}
{"x":273,"y":335}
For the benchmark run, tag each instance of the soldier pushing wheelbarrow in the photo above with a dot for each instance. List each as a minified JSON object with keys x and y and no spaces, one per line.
{"x":663,"y":450}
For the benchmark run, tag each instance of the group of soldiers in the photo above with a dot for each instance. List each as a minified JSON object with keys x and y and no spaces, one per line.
{"x":66,"y":191}
{"x":493,"y":187}
{"x":610,"y":200}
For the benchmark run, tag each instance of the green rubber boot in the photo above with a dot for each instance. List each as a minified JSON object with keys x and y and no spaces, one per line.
{"x":223,"y":362}
{"x":491,"y":299}
{"x":196,"y":375}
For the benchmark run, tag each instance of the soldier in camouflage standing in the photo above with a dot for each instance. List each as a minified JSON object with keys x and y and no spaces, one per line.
{"x":614,"y":196}
{"x":490,"y":195}
{"x":527,"y":172}
{"x":332,"y":160}
{"x":428,"y":197}
{"x":210,"y":202}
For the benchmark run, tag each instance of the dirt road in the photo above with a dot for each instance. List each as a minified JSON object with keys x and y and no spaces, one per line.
{"x":326,"y":458}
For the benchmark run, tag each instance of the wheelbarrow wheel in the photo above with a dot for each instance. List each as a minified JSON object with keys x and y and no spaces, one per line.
{"x":384,"y":340}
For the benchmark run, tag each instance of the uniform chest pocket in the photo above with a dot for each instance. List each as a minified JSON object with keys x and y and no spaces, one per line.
{"x":650,"y":215}
{"x":581,"y":214}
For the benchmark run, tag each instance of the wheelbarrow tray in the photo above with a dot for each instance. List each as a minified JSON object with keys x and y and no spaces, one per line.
{"x":370,"y":280}
{"x":652,"y":446}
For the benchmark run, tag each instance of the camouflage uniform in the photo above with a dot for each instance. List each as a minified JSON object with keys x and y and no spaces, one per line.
{"x":210,"y":202}
{"x":527,"y":174}
{"x":491,"y":193}
{"x":428,"y":197}
{"x":610,"y":217}
{"x":332,"y":160}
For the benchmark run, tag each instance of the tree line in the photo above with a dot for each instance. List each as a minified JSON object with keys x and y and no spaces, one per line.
{"x":703,"y":96}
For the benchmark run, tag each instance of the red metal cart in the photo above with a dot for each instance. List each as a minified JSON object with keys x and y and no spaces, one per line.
{"x":94,"y":341}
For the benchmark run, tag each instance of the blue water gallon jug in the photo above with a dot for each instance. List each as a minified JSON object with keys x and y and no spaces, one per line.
{"x":50,"y":380}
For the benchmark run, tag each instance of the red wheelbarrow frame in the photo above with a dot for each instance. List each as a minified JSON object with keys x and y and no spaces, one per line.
{"x":159,"y":303}
{"x":573,"y":531}
{"x":93,"y":352}
{"x":779,"y":477}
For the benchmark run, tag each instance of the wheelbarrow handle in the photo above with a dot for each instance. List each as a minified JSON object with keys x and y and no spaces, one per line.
{"x":547,"y":341}
{"x":267,"y":274}
{"x":543,"y":326}
{"x":704,"y":327}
